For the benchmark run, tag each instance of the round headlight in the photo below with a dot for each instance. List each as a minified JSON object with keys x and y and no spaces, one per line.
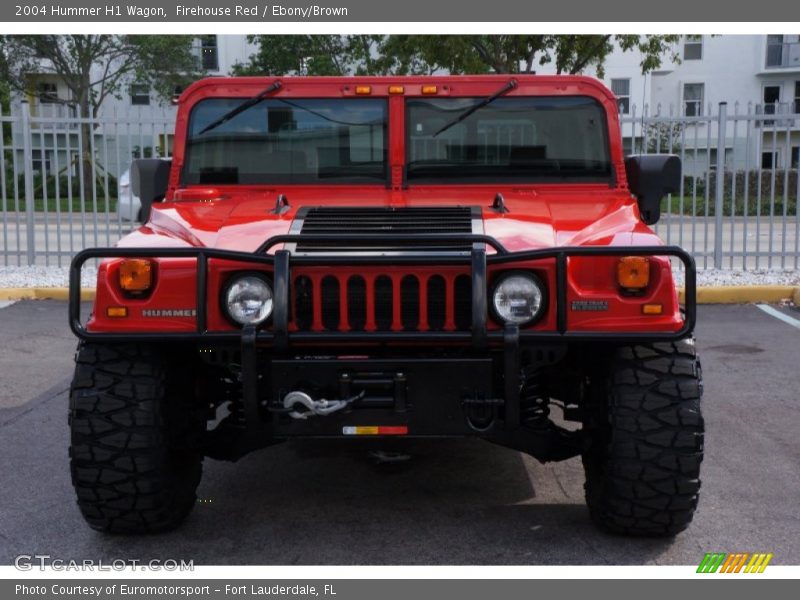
{"x":518,"y":298}
{"x":248,"y":300}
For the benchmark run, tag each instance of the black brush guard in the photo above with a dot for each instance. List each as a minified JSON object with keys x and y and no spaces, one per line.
{"x":552,"y":443}
{"x":281,"y":261}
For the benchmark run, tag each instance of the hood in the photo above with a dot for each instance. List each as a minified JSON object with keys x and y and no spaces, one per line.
{"x":535,"y":218}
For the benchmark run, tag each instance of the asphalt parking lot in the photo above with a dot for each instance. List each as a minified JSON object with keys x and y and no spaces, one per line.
{"x":455,"y":502}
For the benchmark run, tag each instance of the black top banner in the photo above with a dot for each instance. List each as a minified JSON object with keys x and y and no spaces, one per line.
{"x":344,"y":11}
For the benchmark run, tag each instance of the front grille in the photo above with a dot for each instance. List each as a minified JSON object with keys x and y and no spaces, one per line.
{"x":385,"y":220}
{"x":382,"y":302}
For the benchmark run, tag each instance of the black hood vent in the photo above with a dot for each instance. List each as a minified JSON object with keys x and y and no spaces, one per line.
{"x":386,"y":221}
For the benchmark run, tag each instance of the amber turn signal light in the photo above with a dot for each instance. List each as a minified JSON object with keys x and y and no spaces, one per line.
{"x":117,"y":312}
{"x":135,"y":274}
{"x":429,"y":89}
{"x":633,"y":272}
{"x":652,"y":309}
{"x":363,"y":90}
{"x":396,"y":89}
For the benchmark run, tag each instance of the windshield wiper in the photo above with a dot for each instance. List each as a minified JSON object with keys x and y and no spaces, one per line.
{"x":242,"y":107}
{"x":504,"y":90}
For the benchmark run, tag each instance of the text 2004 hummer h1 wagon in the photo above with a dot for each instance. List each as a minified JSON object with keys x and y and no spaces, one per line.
{"x":384,"y":257}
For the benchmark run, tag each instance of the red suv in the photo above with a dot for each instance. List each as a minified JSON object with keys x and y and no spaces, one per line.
{"x":391,"y":257}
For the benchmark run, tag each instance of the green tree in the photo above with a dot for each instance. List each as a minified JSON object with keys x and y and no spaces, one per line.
{"x":456,"y":54}
{"x":95,"y":67}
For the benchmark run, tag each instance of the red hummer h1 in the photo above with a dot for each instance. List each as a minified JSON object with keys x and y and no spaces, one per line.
{"x":391,"y":257}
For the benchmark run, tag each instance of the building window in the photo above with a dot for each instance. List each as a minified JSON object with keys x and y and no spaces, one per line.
{"x":771,"y":98}
{"x":693,"y":47}
{"x":795,"y":157}
{"x":774,"y":50}
{"x":166,"y":141}
{"x":693,"y":99}
{"x":770,"y":160}
{"x":208,"y":53}
{"x":47,"y":92}
{"x":797,"y":97}
{"x":40,"y":161}
{"x":622,"y":90}
{"x":140,"y":94}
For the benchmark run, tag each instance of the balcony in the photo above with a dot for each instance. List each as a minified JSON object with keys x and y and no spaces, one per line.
{"x":780,"y":109}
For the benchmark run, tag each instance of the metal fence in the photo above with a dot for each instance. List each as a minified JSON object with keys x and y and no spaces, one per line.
{"x":60,"y":179}
{"x":737,"y":203}
{"x":63,"y":176}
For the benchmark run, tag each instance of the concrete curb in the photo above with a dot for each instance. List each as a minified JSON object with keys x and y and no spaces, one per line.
{"x":728,"y":294}
{"x":733,"y":294}
{"x":42,"y":293}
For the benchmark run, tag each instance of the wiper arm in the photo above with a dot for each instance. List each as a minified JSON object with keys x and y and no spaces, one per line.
{"x":504,"y":90}
{"x":242,"y":107}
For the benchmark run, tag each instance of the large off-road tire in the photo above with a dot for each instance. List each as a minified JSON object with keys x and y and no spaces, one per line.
{"x":646,"y":431}
{"x":135,"y":450}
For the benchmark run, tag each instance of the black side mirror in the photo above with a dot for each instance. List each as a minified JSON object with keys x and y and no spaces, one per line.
{"x":650,"y":178}
{"x":149,"y":181}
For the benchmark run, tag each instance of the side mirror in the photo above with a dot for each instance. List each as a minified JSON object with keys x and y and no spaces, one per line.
{"x":149,"y":181}
{"x":650,"y":178}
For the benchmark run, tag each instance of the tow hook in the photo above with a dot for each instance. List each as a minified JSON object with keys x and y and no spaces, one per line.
{"x":312,"y":407}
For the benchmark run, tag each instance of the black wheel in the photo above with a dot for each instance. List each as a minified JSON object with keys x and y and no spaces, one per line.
{"x":646,"y":431}
{"x":136,"y":435}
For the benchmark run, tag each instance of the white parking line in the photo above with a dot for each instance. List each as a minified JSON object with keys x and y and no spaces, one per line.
{"x":5,"y":303}
{"x":779,"y":315}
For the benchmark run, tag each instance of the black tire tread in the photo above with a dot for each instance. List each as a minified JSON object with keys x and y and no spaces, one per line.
{"x":134,"y":455}
{"x":643,"y":470}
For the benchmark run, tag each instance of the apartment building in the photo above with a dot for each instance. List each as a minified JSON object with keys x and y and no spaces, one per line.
{"x":753,"y":74}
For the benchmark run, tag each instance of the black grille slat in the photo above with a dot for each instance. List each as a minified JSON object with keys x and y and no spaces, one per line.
{"x":357,"y":302}
{"x":384,"y":303}
{"x":386,"y":220}
{"x":330,"y":302}
{"x":303,"y":303}
{"x":437,"y":303}
{"x":409,"y":303}
{"x":462,"y":302}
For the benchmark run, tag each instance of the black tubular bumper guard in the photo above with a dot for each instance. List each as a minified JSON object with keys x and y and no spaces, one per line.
{"x":280,"y":337}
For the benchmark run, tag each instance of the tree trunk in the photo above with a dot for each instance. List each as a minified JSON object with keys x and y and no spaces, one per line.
{"x":87,"y":166}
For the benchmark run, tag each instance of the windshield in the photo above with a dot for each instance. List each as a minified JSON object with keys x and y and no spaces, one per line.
{"x":512,"y":139}
{"x":287,"y":141}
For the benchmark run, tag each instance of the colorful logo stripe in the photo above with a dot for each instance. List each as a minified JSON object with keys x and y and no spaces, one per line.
{"x":734,"y":563}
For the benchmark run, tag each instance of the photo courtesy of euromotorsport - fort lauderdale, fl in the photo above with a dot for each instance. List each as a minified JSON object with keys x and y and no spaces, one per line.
{"x":385,"y":258}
